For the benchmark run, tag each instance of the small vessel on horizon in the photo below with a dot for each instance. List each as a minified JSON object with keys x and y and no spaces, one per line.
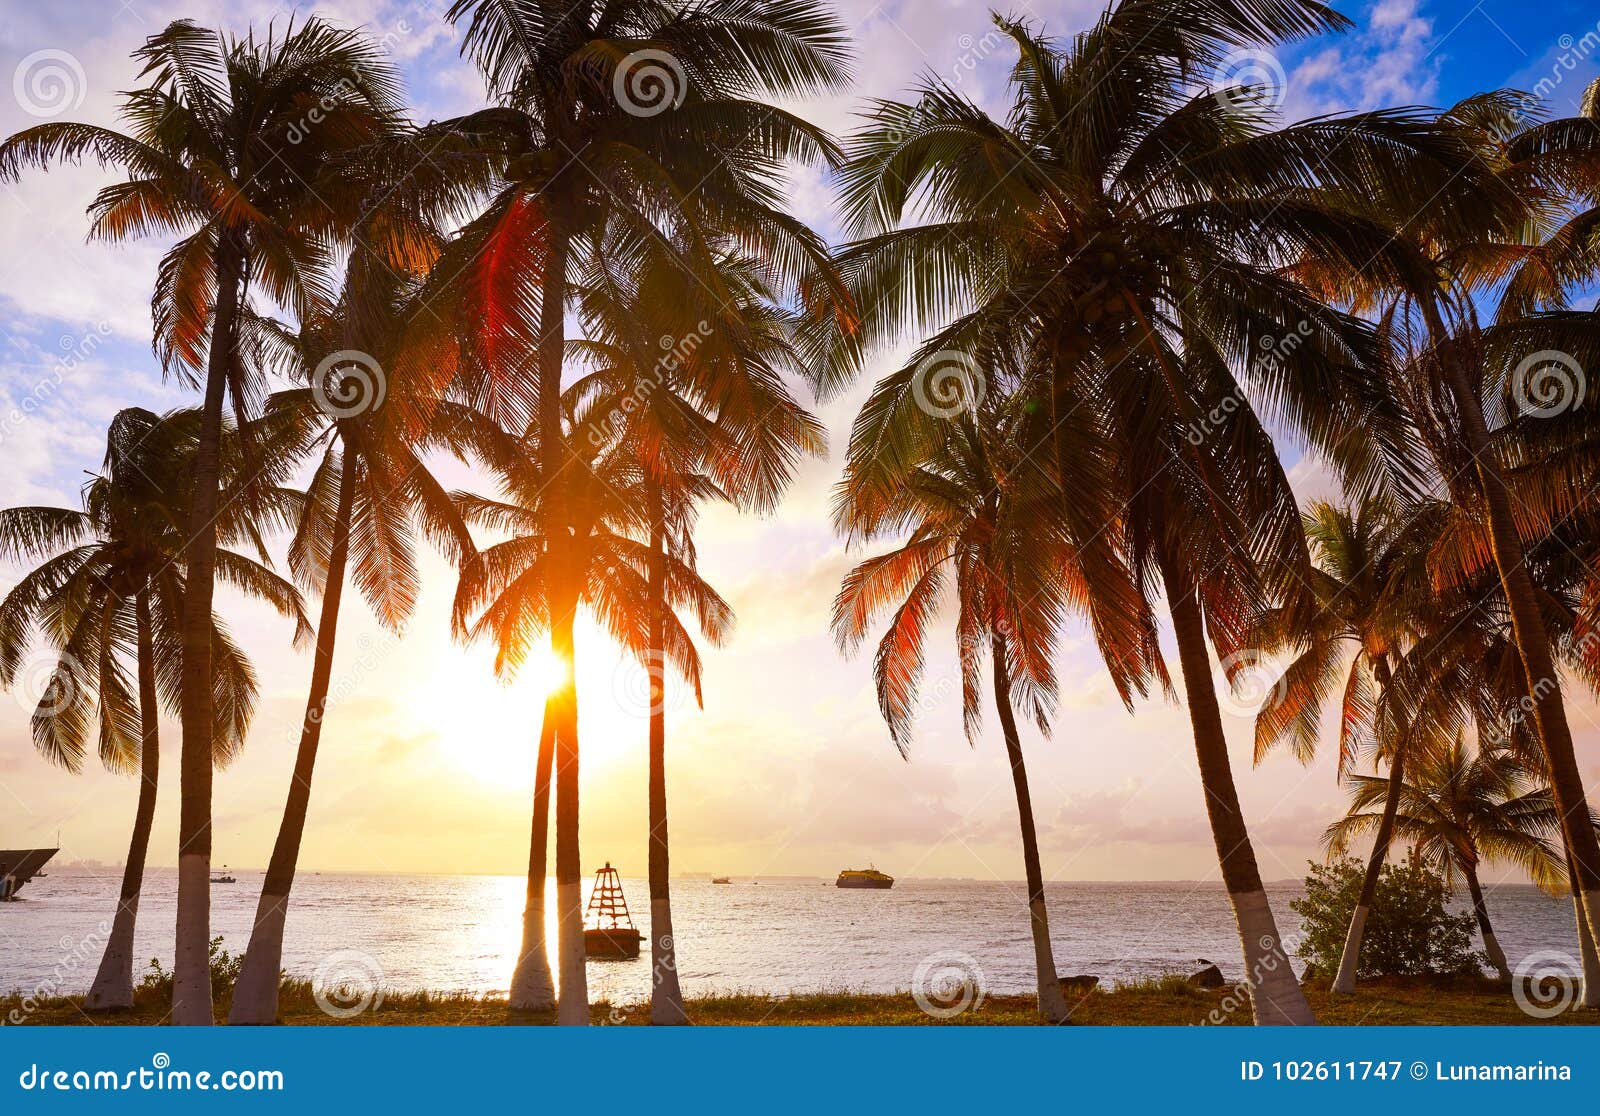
{"x":613,"y":937}
{"x":223,"y":877}
{"x":864,"y":877}
{"x":720,"y":879}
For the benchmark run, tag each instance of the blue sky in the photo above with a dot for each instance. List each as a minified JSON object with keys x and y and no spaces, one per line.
{"x":425,"y":762}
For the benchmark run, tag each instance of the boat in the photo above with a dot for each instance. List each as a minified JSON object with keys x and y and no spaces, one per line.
{"x":18,"y":866}
{"x":720,"y":879}
{"x":223,"y":877}
{"x":613,"y":936}
{"x":864,"y":877}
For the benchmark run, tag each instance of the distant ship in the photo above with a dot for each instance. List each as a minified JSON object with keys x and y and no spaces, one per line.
{"x":864,"y":877}
{"x":18,"y":866}
{"x":720,"y":879}
{"x":224,"y":877}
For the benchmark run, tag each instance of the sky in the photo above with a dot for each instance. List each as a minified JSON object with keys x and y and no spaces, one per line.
{"x":426,"y":761}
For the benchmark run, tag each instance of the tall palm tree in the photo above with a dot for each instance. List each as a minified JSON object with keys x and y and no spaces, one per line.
{"x":1462,"y":808}
{"x":1117,"y":240}
{"x":218,"y":151}
{"x":1425,"y":267}
{"x":504,"y":596}
{"x":689,"y":370}
{"x":371,"y":488}
{"x":638,"y":111}
{"x":1364,"y":577}
{"x":1562,"y":158}
{"x":109,"y":590}
{"x":975,"y":509}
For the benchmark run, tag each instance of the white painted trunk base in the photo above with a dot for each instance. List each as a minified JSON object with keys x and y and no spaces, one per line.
{"x":1276,"y":998}
{"x":532,"y":986}
{"x":1350,"y":959}
{"x":573,"y":1007}
{"x":1589,"y":955}
{"x":255,"y":996}
{"x":112,"y":989}
{"x":1052,"y":1002}
{"x":191,"y":963}
{"x":666,"y":997}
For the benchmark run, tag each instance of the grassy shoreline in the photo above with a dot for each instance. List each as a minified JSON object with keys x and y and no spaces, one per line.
{"x":1167,"y":1002}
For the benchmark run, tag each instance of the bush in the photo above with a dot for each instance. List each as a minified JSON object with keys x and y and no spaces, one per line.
{"x":1410,"y":930}
{"x":224,"y":972}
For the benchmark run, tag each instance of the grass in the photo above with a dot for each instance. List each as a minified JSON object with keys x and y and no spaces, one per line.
{"x":1169,"y":1001}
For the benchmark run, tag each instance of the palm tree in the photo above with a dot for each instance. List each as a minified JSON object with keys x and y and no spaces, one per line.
{"x":1365,"y":580}
{"x":975,"y":508}
{"x":1462,"y":808}
{"x":109,"y":590}
{"x":1560,"y":157}
{"x":504,"y":596}
{"x":370,"y":486}
{"x":635,"y":111}
{"x":690,"y":370}
{"x":218,"y":150}
{"x":1424,"y":266}
{"x":1116,"y":241}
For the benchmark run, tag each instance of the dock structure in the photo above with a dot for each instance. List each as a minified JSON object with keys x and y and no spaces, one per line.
{"x":18,"y":866}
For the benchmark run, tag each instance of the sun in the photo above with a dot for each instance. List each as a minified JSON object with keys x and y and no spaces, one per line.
{"x":544,"y":672}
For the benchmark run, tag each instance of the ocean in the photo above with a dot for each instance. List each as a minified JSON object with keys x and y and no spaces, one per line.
{"x":461,"y":933}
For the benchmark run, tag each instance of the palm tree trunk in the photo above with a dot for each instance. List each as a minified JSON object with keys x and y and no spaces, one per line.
{"x":573,"y":1004}
{"x":255,"y":996}
{"x":1527,"y":624}
{"x":191,"y":966}
{"x":1350,"y":959}
{"x":1589,"y":956}
{"x":532,"y":986}
{"x":1491,"y":946}
{"x":112,"y":989}
{"x":1275,"y":994}
{"x":1052,"y":1003}
{"x":666,"y":997}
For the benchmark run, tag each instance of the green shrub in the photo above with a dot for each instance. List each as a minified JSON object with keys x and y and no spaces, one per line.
{"x":1410,"y":930}
{"x":224,"y":972}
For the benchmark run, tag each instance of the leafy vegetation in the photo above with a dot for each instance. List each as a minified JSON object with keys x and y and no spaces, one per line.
{"x":1411,"y":932}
